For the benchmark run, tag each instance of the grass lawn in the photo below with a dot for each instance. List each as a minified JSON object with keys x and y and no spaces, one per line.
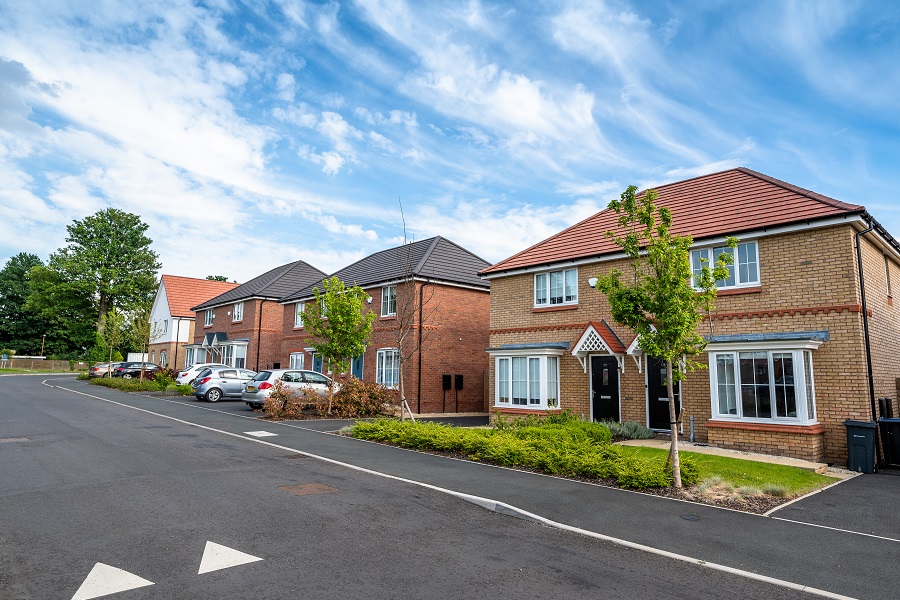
{"x":741,"y":473}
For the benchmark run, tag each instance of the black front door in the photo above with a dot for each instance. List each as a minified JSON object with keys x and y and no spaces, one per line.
{"x":605,"y":388}
{"x":658,"y":395}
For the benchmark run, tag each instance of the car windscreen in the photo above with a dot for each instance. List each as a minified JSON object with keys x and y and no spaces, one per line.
{"x":262,"y":376}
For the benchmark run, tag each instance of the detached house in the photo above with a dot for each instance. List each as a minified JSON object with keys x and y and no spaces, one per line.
{"x":796,"y":325}
{"x":172,"y":317}
{"x":242,"y":326}
{"x":428,"y":293}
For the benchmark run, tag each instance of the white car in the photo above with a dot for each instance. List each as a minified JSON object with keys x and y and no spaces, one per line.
{"x":257,"y":389}
{"x":187,"y":375}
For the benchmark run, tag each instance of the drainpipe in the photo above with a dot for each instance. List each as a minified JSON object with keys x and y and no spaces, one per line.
{"x":865,"y":313}
{"x":259,"y":332}
{"x":419,"y":350}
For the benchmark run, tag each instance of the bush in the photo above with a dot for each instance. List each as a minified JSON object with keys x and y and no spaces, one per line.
{"x":126,"y":385}
{"x":83,"y":376}
{"x":286,"y":403}
{"x":629,"y":431}
{"x":165,"y":377}
{"x":360,"y":399}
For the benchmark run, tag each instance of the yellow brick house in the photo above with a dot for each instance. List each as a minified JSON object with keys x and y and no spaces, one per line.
{"x":791,"y":343}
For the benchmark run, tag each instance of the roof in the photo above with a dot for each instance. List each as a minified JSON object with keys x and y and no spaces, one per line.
{"x":271,"y":285}
{"x":184,"y":292}
{"x":435,"y":258}
{"x":725,"y":203}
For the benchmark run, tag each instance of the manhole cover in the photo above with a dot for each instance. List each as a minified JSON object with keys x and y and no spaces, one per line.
{"x":308,"y":489}
{"x":690,"y":517}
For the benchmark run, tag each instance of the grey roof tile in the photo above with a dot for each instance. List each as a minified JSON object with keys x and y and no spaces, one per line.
{"x":272,"y":285}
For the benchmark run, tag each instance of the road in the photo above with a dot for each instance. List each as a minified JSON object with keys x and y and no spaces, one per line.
{"x":152,"y":501}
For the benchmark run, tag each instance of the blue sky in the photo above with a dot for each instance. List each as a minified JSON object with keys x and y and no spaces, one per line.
{"x":248,"y":135}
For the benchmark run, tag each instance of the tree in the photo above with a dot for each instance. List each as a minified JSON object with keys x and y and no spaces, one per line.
{"x":216,"y":278}
{"x":340,"y":325}
{"x":113,"y":334}
{"x":142,"y":330}
{"x":660,"y":304}
{"x":107,"y":264}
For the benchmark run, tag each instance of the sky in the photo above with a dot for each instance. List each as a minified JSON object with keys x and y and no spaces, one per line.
{"x":252,"y":134}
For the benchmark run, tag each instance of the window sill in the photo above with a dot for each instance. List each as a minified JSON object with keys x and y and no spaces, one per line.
{"x":298,"y":328}
{"x":810,"y":429}
{"x":509,"y":410}
{"x":241,"y":321}
{"x":554,"y":308}
{"x":738,"y":291}
{"x":387,"y":318}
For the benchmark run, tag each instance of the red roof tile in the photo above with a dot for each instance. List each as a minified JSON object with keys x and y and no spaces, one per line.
{"x":724,"y":203}
{"x":185,"y":292}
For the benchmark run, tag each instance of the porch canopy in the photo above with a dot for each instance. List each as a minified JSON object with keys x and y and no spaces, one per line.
{"x":598,"y":338}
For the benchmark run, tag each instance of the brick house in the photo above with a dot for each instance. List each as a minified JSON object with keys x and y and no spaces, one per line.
{"x":242,"y":326}
{"x":173,"y":318}
{"x":429,"y":291}
{"x":787,"y":355}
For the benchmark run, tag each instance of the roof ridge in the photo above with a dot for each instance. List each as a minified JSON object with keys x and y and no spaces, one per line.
{"x":802,"y":191}
{"x":427,"y":255}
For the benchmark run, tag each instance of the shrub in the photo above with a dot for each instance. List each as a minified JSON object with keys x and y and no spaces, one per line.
{"x":165,"y":377}
{"x":83,"y":376}
{"x":629,"y":431}
{"x":360,"y":399}
{"x":126,"y":385}
{"x":285,"y":403}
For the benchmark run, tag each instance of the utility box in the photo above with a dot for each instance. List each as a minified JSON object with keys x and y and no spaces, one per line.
{"x":860,"y":446}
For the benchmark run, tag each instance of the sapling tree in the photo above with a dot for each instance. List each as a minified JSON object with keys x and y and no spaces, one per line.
{"x":113,"y":334}
{"x":664,"y":303}
{"x":340,"y":325}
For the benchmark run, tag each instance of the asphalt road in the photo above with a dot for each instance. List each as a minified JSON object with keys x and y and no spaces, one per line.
{"x":84,"y":481}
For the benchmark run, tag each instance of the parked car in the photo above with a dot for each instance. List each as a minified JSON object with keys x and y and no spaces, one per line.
{"x":130,"y":370}
{"x":258,"y":389}
{"x":187,"y":374}
{"x":215,"y":383}
{"x":103,"y":369}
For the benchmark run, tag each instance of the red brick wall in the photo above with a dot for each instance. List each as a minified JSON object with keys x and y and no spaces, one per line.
{"x":454,"y":340}
{"x":261,"y":324}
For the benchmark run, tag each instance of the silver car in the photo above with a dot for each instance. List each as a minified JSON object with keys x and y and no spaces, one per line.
{"x":215,"y":383}
{"x":187,"y":374}
{"x":257,"y":389}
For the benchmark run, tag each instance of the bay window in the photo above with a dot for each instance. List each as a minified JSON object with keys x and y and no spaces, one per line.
{"x":763,"y":385}
{"x":527,"y":380}
{"x":556,"y":288}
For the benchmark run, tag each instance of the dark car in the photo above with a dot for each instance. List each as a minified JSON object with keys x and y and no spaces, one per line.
{"x":130,"y":370}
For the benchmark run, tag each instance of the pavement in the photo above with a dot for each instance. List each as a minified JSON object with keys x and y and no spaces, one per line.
{"x":843,"y":541}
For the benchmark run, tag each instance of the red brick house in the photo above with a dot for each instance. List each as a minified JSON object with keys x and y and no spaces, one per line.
{"x":429,"y":291}
{"x":173,"y":319}
{"x":790,"y":340}
{"x":242,"y":326}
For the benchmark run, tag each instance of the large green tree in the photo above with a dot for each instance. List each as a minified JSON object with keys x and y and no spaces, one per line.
{"x":659,"y":301}
{"x":107,"y":263}
{"x":340,"y":324}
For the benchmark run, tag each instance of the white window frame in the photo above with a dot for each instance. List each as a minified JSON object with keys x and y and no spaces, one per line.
{"x":389,"y":301}
{"x":165,"y":326}
{"x":541,"y":388}
{"x":227,"y":356}
{"x":387,"y":368}
{"x":240,"y":356}
{"x":296,"y":360}
{"x":299,"y":309}
{"x":740,"y":279}
{"x":162,"y":358}
{"x":208,"y":317}
{"x":803,"y":382}
{"x":543,"y":288}
{"x":237,"y":314}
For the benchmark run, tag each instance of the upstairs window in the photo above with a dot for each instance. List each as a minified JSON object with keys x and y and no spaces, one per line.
{"x":388,"y":300}
{"x":298,"y":315}
{"x":743,"y":271}
{"x":208,"y":318}
{"x":238,"y":313}
{"x":556,"y":288}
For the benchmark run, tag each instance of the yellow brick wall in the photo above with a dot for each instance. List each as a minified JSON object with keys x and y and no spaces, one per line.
{"x":808,"y":282}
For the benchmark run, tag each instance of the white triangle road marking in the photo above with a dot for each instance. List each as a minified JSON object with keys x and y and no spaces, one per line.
{"x":104,"y":580}
{"x":261,"y":433}
{"x":217,"y":556}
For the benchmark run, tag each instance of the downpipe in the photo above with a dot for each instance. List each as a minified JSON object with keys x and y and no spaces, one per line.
{"x":868,"y":343}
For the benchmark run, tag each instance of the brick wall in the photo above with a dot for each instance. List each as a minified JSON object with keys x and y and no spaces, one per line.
{"x":808,"y":282}
{"x":454,"y":338}
{"x":175,"y":353}
{"x":261,"y":324}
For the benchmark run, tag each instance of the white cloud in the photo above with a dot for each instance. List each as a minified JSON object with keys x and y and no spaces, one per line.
{"x":286,"y":87}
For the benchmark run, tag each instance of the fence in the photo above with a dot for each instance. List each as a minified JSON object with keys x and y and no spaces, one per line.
{"x":39,"y":364}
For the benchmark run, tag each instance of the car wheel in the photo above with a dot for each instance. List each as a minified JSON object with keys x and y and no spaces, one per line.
{"x":126,"y":376}
{"x":213,"y":395}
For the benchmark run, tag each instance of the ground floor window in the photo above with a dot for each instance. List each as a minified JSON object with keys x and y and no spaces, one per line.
{"x":763,"y":385}
{"x":527,"y":381}
{"x":387,"y":370}
{"x":296,"y":360}
{"x":162,"y":358}
{"x":194,"y":356}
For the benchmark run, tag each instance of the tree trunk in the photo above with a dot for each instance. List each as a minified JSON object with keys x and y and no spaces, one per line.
{"x":670,"y":387}
{"x":330,"y":390}
{"x":104,"y":308}
{"x":400,"y":380}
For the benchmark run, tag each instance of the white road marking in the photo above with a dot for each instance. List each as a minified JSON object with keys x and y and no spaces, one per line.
{"x":217,"y":556}
{"x":261,"y":433}
{"x":492,"y":504}
{"x":104,"y":580}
